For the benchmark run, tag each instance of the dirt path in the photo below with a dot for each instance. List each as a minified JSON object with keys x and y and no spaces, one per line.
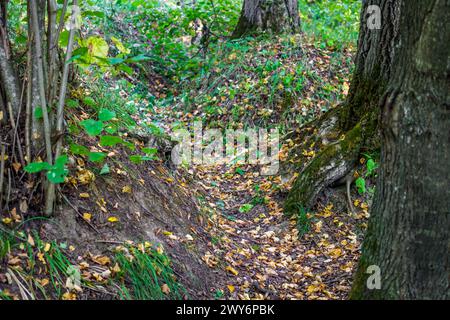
{"x":258,"y":247}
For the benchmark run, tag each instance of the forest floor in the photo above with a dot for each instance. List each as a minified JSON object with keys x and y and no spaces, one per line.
{"x":261,"y":250}
{"x":249,"y":246}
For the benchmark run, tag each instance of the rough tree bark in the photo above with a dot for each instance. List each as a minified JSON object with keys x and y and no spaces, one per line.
{"x":356,"y":118}
{"x":408,"y":233}
{"x":275,"y":15}
{"x":8,"y":75}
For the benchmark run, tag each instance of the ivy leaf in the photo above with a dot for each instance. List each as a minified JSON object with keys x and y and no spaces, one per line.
{"x":92,"y":127}
{"x":106,"y":115}
{"x":96,"y":156}
{"x":110,"y":141}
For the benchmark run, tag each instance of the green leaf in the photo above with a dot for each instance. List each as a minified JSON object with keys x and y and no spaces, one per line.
{"x":77,"y":149}
{"x":361,"y":185}
{"x":72,"y":103}
{"x":61,"y":161}
{"x":97,"y":48}
{"x":64,"y":39}
{"x":138,"y":58}
{"x":245,"y":208}
{"x":120,"y":46}
{"x":96,"y":156}
{"x":38,"y":113}
{"x":92,"y":13}
{"x":105,"y":169}
{"x":106,"y":115}
{"x":36,"y":167}
{"x":111,"y":128}
{"x":371,"y":166}
{"x":149,"y":151}
{"x":92,"y":127}
{"x":57,"y":174}
{"x":89,"y":101}
{"x":110,"y":141}
{"x":136,"y":159}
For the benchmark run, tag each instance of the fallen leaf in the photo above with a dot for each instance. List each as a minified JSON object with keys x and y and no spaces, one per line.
{"x":165,"y":289}
{"x":113,"y":219}
{"x":232,"y":270}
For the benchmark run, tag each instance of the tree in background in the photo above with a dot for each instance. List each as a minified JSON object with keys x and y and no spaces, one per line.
{"x":408,"y":233}
{"x":275,"y":15}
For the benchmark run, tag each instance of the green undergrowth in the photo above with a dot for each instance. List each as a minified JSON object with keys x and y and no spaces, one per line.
{"x":42,"y":269}
{"x":147,"y":275}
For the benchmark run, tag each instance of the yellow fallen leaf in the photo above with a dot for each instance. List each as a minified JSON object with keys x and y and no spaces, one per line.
{"x":113,"y":219}
{"x":85,"y":176}
{"x":87,"y":216}
{"x":126,"y":189}
{"x":232,"y":270}
{"x":47,"y":247}
{"x":103,"y":260}
{"x":44,"y":282}
{"x":6,"y":220}
{"x":69,"y":296}
{"x":231,"y":288}
{"x":40,"y":257}
{"x":116,"y":268}
{"x":84,"y":195}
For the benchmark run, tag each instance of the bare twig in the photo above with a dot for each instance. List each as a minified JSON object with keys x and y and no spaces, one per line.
{"x":2,"y":171}
{"x":60,"y":111}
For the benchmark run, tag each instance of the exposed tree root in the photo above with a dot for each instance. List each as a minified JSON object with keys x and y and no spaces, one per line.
{"x":334,"y":162}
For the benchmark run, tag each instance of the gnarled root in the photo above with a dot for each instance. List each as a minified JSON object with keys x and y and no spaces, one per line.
{"x":333,"y":163}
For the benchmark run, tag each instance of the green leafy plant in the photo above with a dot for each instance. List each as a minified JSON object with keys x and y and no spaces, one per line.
{"x":371,"y":167}
{"x":55,"y":173}
{"x":246,"y":208}
{"x":303,"y":222}
{"x":149,"y":275}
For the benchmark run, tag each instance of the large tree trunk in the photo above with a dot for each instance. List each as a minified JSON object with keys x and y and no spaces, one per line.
{"x":357,"y":118}
{"x":408,"y":233}
{"x":373,"y":63}
{"x":275,"y":15}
